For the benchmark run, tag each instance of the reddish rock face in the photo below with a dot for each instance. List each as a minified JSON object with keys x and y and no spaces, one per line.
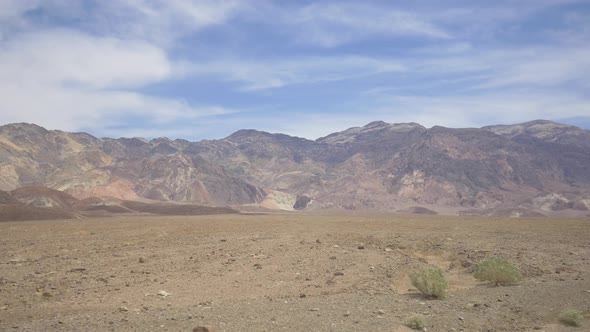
{"x":540,"y":165}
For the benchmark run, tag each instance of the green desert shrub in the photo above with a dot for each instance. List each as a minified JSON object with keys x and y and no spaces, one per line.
{"x":415,"y":323}
{"x":430,"y":281}
{"x":498,"y":271}
{"x":571,"y":317}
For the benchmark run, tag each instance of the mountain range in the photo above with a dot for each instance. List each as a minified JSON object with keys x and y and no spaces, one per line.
{"x":533,"y":168}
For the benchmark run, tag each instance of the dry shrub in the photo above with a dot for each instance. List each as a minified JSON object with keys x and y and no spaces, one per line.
{"x":498,"y":271}
{"x":430,"y":281}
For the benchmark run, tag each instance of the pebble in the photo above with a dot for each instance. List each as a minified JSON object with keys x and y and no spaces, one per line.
{"x":314,"y":309}
{"x":361,"y":246}
{"x":123,"y":309}
{"x":338,"y":274}
{"x":381,"y":312}
{"x":346,"y":314}
{"x":164,"y":293}
{"x":141,"y":260}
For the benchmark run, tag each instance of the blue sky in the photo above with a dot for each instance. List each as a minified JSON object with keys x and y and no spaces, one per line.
{"x":204,"y":69}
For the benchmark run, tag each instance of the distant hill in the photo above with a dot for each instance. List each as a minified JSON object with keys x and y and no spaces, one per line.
{"x":539,"y":165}
{"x":40,"y":203}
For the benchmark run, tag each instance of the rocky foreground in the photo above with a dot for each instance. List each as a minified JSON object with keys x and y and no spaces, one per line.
{"x":295,"y":272}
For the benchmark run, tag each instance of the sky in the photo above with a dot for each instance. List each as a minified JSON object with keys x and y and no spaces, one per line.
{"x":204,"y":69}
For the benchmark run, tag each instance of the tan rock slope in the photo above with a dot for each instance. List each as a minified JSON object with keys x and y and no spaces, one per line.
{"x":539,"y":165}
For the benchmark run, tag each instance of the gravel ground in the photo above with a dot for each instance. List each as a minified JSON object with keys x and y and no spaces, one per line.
{"x":293,"y":272}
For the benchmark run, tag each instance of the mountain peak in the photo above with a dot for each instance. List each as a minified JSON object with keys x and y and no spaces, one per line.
{"x":352,"y":134}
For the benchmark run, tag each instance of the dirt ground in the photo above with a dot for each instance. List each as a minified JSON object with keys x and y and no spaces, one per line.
{"x":292,"y":272}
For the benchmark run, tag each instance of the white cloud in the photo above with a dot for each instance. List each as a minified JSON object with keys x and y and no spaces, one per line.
{"x":67,"y":57}
{"x":475,"y":111}
{"x":69,"y":80}
{"x":161,"y":21}
{"x":333,"y":24}
{"x":260,"y":75}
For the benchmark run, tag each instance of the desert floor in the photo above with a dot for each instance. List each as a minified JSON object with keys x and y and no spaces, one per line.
{"x":294,"y":272}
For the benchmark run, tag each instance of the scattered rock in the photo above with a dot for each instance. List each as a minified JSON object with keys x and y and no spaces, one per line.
{"x":314,"y":309}
{"x":361,"y":246}
{"x":141,"y":260}
{"x":346,"y":314}
{"x":164,"y":293}
{"x":333,"y":257}
{"x":302,"y":296}
{"x":337,"y":274}
{"x":123,"y":309}
{"x":381,"y":312}
{"x":204,"y":329}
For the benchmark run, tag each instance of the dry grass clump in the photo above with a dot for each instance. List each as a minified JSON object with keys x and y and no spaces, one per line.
{"x":415,"y":323}
{"x":498,"y":271}
{"x":430,"y":281}
{"x":571,"y":317}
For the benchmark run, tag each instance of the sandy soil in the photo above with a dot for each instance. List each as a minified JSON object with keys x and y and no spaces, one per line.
{"x":295,"y":272}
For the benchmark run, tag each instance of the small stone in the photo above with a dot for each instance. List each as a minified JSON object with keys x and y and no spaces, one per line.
{"x":333,"y":257}
{"x":314,"y":309}
{"x":204,"y":329}
{"x":461,"y":319}
{"x":123,"y":309}
{"x":318,"y":241}
{"x":361,"y":246}
{"x":346,"y":314}
{"x":381,"y":312}
{"x":388,"y":249}
{"x":336,"y":246}
{"x":141,"y":260}
{"x":164,"y":293}
{"x":337,"y":274}
{"x":302,"y":296}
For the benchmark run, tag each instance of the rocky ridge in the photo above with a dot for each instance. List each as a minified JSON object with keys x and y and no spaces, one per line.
{"x":538,"y":165}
